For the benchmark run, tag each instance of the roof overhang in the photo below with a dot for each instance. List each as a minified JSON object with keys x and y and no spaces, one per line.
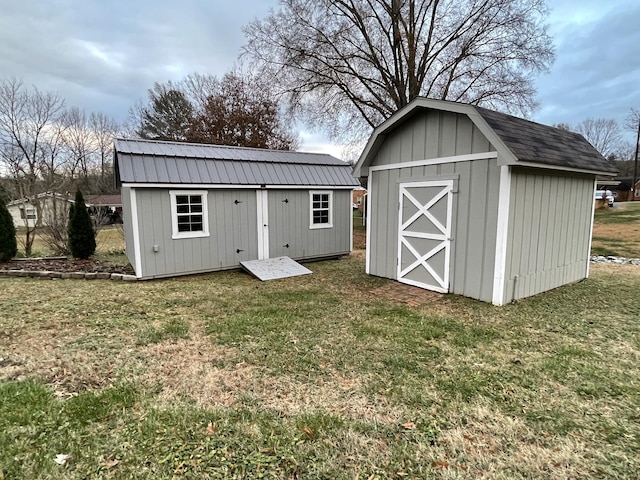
{"x":361,"y":169}
{"x":505,"y":154}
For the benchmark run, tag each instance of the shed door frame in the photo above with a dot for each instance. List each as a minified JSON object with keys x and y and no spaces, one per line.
{"x":444,"y":237}
{"x":262,"y":202}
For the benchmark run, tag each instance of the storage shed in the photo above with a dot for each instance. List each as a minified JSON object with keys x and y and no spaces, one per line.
{"x":190,"y":208}
{"x":470,"y":201}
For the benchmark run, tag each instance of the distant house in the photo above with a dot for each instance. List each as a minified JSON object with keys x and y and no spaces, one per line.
{"x":105,"y":208}
{"x":467,"y":200}
{"x":358,"y":198}
{"x":25,"y":214}
{"x":190,"y":208}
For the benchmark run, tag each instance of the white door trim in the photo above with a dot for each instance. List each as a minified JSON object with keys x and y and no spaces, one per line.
{"x":444,"y":236}
{"x":262,"y":203}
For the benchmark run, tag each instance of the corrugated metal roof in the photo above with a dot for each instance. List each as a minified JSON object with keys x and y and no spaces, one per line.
{"x":150,"y":161}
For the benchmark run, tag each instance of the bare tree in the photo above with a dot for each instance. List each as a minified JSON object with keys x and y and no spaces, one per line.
{"x":603,"y":133}
{"x":632,"y":123}
{"x":346,"y":64}
{"x":29,"y":145}
{"x":240,"y":110}
{"x":104,"y":129}
{"x":80,"y":142}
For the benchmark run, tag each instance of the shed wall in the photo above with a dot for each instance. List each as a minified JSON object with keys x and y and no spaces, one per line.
{"x":435,"y":134}
{"x":232,"y":227}
{"x":289,"y":225}
{"x":549,"y":230}
{"x":432,"y":134}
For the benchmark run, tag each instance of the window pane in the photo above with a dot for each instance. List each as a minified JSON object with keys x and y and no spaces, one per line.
{"x":196,"y":199}
{"x":196,"y":227}
{"x":321,"y":216}
{"x":182,"y":208}
{"x":196,"y":208}
{"x":183,"y":218}
{"x":184,"y":227}
{"x":324,"y":204}
{"x":196,"y":219}
{"x":317,"y":204}
{"x":182,"y":199}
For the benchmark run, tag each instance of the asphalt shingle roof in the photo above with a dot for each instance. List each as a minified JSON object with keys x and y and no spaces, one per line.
{"x":537,"y":143}
{"x":150,"y":161}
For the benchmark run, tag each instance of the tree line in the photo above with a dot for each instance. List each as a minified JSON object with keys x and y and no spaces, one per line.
{"x":239,"y":109}
{"x":606,"y":136}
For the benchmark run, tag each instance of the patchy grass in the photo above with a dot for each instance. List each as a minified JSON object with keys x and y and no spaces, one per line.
{"x":616,"y":231}
{"x":359,"y":231}
{"x":109,"y":245}
{"x":222,"y":376}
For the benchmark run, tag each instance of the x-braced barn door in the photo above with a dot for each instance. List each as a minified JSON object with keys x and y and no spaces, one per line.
{"x":424,"y":235}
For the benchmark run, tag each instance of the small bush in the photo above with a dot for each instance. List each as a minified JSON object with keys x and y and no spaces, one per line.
{"x":8,"y":243}
{"x":82,"y":239}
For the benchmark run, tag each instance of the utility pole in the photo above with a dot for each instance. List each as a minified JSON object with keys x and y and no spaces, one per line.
{"x":635,"y":166}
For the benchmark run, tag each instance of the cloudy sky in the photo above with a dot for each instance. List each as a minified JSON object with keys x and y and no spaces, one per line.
{"x":102,"y":55}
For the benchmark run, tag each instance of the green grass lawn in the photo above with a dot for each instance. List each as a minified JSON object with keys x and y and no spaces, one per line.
{"x":616,"y":231}
{"x":222,"y":376}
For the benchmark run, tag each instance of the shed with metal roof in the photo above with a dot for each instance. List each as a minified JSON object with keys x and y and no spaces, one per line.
{"x":467,"y":200}
{"x":191,"y":208}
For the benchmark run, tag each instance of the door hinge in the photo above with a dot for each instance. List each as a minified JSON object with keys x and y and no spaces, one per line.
{"x":239,"y":250}
{"x":237,"y":201}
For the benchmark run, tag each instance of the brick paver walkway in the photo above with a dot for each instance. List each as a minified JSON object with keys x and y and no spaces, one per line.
{"x":403,"y":294}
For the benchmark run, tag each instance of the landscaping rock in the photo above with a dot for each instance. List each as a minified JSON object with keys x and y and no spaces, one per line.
{"x":129,"y":278}
{"x":90,"y":276}
{"x":77,"y":275}
{"x":615,"y":260}
{"x":116,"y":276}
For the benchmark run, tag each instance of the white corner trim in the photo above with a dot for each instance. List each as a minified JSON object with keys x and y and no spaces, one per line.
{"x":368,"y":202}
{"x":499,"y":271}
{"x":137,"y":253}
{"x":593,"y":213}
{"x":436,"y":161}
{"x":350,"y":221}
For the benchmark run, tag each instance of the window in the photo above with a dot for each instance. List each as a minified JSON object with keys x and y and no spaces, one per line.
{"x":321,"y":212}
{"x":189,"y":214}
{"x":30,"y":213}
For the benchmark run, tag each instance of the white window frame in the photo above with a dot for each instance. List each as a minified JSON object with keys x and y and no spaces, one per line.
{"x":312,"y":225}
{"x":28,"y":213}
{"x":174,"y":214}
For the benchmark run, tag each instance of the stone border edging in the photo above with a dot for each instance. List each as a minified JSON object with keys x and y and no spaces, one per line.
{"x":46,"y":274}
{"x":616,"y":260}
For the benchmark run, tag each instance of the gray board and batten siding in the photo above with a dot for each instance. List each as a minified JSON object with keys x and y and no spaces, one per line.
{"x":479,"y":203}
{"x":548,"y":243}
{"x":258,"y":205}
{"x":435,"y":134}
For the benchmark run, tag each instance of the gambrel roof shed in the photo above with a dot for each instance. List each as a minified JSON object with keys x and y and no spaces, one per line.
{"x":190,"y":208}
{"x":489,"y":205}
